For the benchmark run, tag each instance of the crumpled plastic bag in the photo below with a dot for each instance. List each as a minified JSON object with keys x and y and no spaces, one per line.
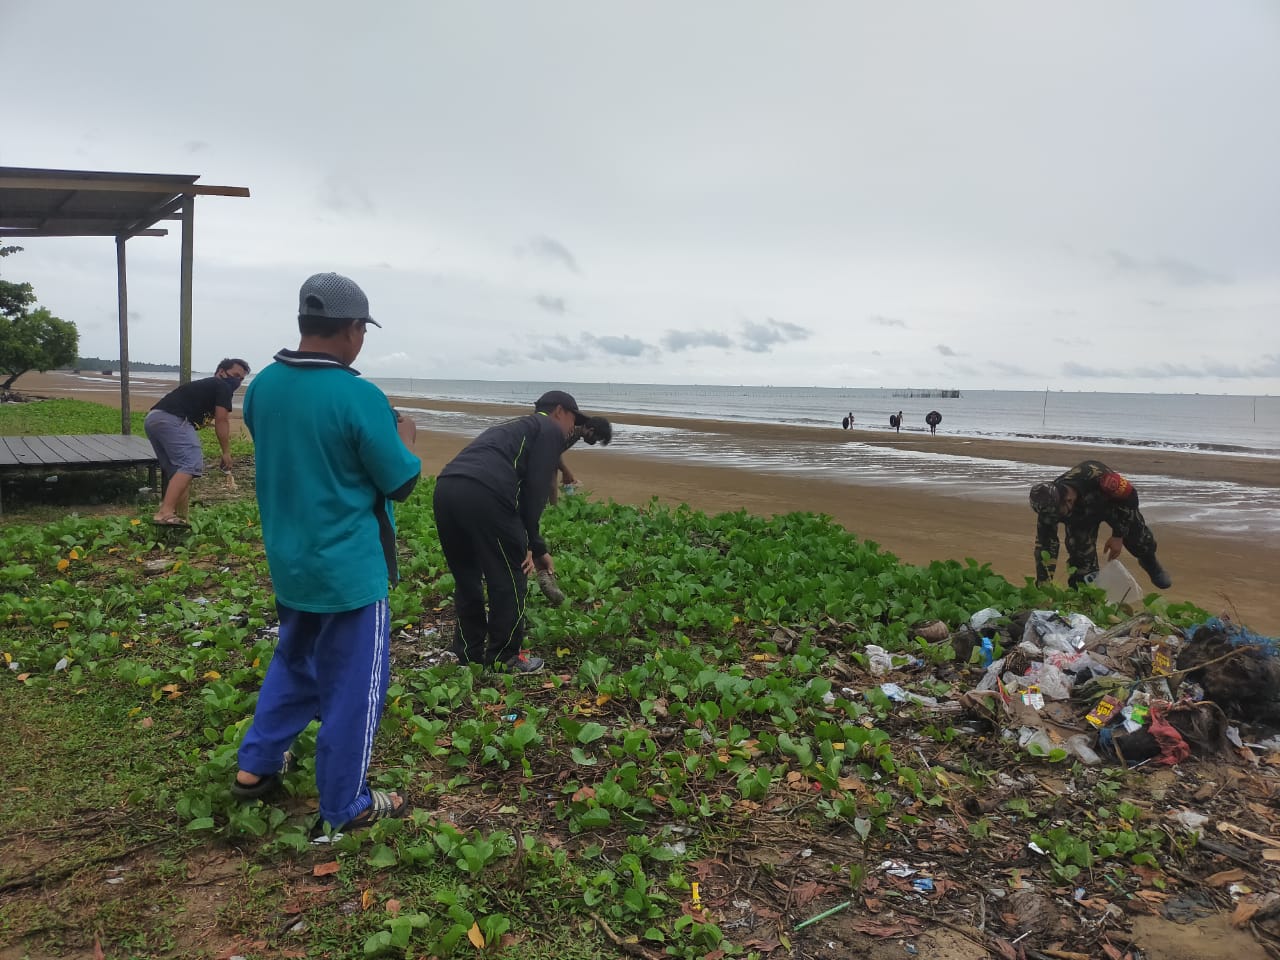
{"x":1053,"y":631}
{"x":1053,"y":683}
{"x":983,"y":617}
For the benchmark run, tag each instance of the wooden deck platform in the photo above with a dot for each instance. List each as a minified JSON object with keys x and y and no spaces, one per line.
{"x":94,"y":451}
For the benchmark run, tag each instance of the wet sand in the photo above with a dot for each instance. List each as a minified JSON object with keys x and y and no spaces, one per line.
{"x":1236,"y":573}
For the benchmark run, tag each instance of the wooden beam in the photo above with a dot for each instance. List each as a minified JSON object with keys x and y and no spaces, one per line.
{"x":122,"y":299}
{"x":184,"y":294}
{"x":120,"y":186}
{"x":160,"y":212}
{"x":54,"y":232}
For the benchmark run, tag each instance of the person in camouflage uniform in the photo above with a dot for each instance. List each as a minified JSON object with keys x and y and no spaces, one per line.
{"x":1081,"y":499}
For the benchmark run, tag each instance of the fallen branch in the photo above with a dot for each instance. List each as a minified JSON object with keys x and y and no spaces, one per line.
{"x":627,"y":946}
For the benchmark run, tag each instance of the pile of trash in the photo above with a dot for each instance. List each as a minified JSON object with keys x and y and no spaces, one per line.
{"x":1140,"y":692}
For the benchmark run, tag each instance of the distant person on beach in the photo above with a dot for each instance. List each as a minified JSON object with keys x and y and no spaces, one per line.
{"x":1081,"y":499}
{"x":847,"y":422}
{"x":332,"y":455}
{"x":895,"y":421}
{"x":171,"y":427}
{"x":488,"y":504}
{"x":933,"y":418}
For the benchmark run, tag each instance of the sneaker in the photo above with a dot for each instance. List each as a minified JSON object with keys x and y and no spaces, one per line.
{"x":1158,"y":574}
{"x":550,"y":589}
{"x":523,"y":663}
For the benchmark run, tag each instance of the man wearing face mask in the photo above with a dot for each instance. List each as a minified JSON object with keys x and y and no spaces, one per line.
{"x":488,"y":504}
{"x":1081,"y":500}
{"x":171,"y":427}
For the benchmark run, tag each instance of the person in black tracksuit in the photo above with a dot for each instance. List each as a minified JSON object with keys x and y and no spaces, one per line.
{"x":488,"y":503}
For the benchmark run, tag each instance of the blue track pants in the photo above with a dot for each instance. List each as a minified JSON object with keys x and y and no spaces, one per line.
{"x":333,"y":667}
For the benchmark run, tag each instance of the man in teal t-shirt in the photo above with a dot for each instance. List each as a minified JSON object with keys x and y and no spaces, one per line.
{"x":331,"y":454}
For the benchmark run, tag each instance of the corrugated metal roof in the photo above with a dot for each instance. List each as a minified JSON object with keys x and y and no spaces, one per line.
{"x":59,"y":203}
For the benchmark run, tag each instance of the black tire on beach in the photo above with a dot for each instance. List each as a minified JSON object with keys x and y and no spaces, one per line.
{"x":845,"y":423}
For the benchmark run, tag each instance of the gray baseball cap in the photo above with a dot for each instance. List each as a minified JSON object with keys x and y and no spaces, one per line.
{"x":334,"y":296}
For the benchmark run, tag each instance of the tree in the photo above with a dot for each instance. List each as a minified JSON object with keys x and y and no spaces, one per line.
{"x":31,"y":338}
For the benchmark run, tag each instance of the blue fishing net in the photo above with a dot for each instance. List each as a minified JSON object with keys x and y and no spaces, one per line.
{"x":1237,"y":635}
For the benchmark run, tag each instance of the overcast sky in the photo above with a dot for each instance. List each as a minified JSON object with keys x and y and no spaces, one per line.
{"x":1079,"y":195}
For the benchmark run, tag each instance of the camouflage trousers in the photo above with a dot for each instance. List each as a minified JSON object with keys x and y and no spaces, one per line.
{"x":1081,"y":541}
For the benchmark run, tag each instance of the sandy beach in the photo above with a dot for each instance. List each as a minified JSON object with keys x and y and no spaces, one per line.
{"x":1234,"y":573}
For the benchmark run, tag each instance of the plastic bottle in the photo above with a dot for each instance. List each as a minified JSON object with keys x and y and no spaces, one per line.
{"x":988,"y":651}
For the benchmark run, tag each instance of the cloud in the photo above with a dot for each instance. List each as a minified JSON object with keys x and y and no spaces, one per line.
{"x":620,"y":346}
{"x":760,"y":337}
{"x":397,"y":358}
{"x":1267,"y":366}
{"x":342,"y":194}
{"x":549,"y":303}
{"x":946,"y":351}
{"x":677,"y":340}
{"x":1170,"y":269}
{"x":552,"y":250}
{"x":561,"y":349}
{"x":504,"y":357}
{"x":882,"y":321}
{"x":586,"y":347}
{"x":1014,"y":369}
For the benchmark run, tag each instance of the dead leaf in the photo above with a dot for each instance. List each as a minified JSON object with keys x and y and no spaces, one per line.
{"x":97,"y":949}
{"x":805,"y":892}
{"x":146,"y":723}
{"x":326,"y":869}
{"x":873,"y":929}
{"x":366,"y":899}
{"x":1243,"y":914}
{"x":475,"y":936}
{"x":1271,"y":855}
{"x":393,"y":907}
{"x":584,"y":794}
{"x":1225,"y":878}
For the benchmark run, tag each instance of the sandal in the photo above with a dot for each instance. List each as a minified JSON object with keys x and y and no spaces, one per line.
{"x":173,"y":521}
{"x":383,"y":805}
{"x":265,"y":785}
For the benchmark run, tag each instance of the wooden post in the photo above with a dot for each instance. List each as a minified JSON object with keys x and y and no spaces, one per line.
{"x":122,"y":296}
{"x":184,"y":309}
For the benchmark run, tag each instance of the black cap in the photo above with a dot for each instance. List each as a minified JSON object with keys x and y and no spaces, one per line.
{"x":558,"y":398}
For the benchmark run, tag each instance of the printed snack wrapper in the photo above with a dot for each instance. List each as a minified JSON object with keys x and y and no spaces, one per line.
{"x":1103,"y":711}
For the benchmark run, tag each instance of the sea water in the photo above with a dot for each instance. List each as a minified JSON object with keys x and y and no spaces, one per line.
{"x":1197,"y":423}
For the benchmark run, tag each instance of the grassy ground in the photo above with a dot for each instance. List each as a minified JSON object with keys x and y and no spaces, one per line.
{"x":707,"y":763}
